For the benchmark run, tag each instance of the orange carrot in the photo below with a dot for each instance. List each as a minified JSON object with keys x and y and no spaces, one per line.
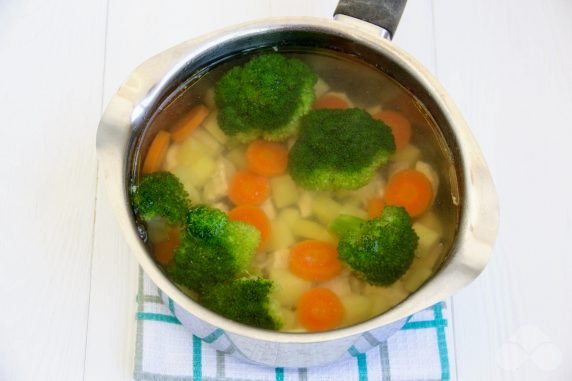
{"x":314,"y":260}
{"x":248,"y":188}
{"x":331,"y":101}
{"x":254,"y":216}
{"x":375,"y":207}
{"x":410,"y":107}
{"x":164,"y":250}
{"x":319,"y":309}
{"x":400,"y":126}
{"x":189,"y":122}
{"x":156,"y":153}
{"x":410,"y":189}
{"x":267,"y":158}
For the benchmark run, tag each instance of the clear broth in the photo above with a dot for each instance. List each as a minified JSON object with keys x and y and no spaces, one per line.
{"x":366,"y":87}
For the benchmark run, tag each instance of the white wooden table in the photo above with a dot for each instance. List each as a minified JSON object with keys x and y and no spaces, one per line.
{"x":67,"y":280}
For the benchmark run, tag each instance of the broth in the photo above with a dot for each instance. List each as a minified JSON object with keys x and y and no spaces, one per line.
{"x":207,"y":160}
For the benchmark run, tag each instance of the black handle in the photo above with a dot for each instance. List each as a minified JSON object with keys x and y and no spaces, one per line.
{"x":383,"y":13}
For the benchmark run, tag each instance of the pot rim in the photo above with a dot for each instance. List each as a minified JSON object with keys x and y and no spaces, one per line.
{"x":477,"y":227}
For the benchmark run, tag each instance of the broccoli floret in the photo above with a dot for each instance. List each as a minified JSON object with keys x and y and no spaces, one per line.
{"x":206,"y":223}
{"x":213,"y":249}
{"x":380,"y":250}
{"x":245,"y":300}
{"x":161,"y":194}
{"x":265,"y":97}
{"x":339,"y":149}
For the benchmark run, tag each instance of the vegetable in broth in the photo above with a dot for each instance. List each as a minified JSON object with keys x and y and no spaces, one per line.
{"x":283,"y":194}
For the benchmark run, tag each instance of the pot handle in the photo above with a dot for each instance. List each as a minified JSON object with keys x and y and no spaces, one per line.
{"x":383,"y":13}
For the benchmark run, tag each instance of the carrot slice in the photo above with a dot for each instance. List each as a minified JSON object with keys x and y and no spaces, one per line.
{"x":156,"y":153}
{"x":330,"y":101}
{"x":375,"y":207}
{"x":164,"y":250}
{"x":189,"y":122}
{"x":248,"y":188}
{"x":319,"y":309}
{"x":254,"y":216}
{"x":410,"y":189}
{"x":267,"y":158}
{"x":314,"y":260}
{"x":400,"y":126}
{"x":410,"y":107}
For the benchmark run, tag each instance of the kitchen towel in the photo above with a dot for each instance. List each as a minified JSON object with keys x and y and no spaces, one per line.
{"x":166,"y":351}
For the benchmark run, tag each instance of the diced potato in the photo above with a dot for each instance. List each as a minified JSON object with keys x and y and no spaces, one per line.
{"x":194,"y":195}
{"x":432,"y":259}
{"x":408,"y":154}
{"x":289,"y":319}
{"x":380,"y":304}
{"x":209,"y":98}
{"x":191,"y":151}
{"x":197,"y":174}
{"x":288,"y":287}
{"x":357,"y":308}
{"x":397,"y":166}
{"x":201,"y":171}
{"x":221,"y":206}
{"x":284,"y":191}
{"x":305,"y":201}
{"x":237,"y":156}
{"x":383,"y":298}
{"x":353,"y":211}
{"x":375,"y":188}
{"x":433,"y":222}
{"x":428,"y":239}
{"x":357,"y":285}
{"x":229,"y":168}
{"x":321,"y":87}
{"x":158,"y":229}
{"x":289,"y":216}
{"x":279,"y":259}
{"x":431,"y":174}
{"x":311,"y":230}
{"x":216,"y":187}
{"x":281,"y":236}
{"x":340,"y":285}
{"x":374,"y":109}
{"x":185,"y":176}
{"x":325,"y":209}
{"x":171,"y":158}
{"x":212,"y":126}
{"x":269,"y":209}
{"x":207,"y":139}
{"x":415,"y":277}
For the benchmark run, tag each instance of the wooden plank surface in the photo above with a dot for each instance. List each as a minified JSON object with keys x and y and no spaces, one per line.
{"x":51,"y":63}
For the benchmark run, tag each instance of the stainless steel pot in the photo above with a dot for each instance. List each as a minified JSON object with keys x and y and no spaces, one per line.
{"x":128,"y":113}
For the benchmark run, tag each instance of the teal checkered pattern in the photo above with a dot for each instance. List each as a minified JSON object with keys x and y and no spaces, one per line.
{"x":387,"y":360}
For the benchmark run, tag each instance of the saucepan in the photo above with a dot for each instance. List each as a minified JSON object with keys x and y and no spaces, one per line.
{"x":363,"y":29}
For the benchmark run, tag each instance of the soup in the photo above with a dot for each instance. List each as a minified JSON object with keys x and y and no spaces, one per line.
{"x":317,"y":219}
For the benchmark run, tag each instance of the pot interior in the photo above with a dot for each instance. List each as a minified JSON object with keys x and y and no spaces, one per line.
{"x":372,"y":66}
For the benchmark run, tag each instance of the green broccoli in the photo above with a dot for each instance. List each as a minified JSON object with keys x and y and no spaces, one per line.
{"x":265,"y":97}
{"x":245,"y":300}
{"x":380,"y":250}
{"x":339,"y":149}
{"x":161,"y":194}
{"x":206,"y":223}
{"x":213,"y":249}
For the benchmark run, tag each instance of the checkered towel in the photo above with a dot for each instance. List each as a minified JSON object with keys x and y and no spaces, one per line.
{"x":166,"y":351}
